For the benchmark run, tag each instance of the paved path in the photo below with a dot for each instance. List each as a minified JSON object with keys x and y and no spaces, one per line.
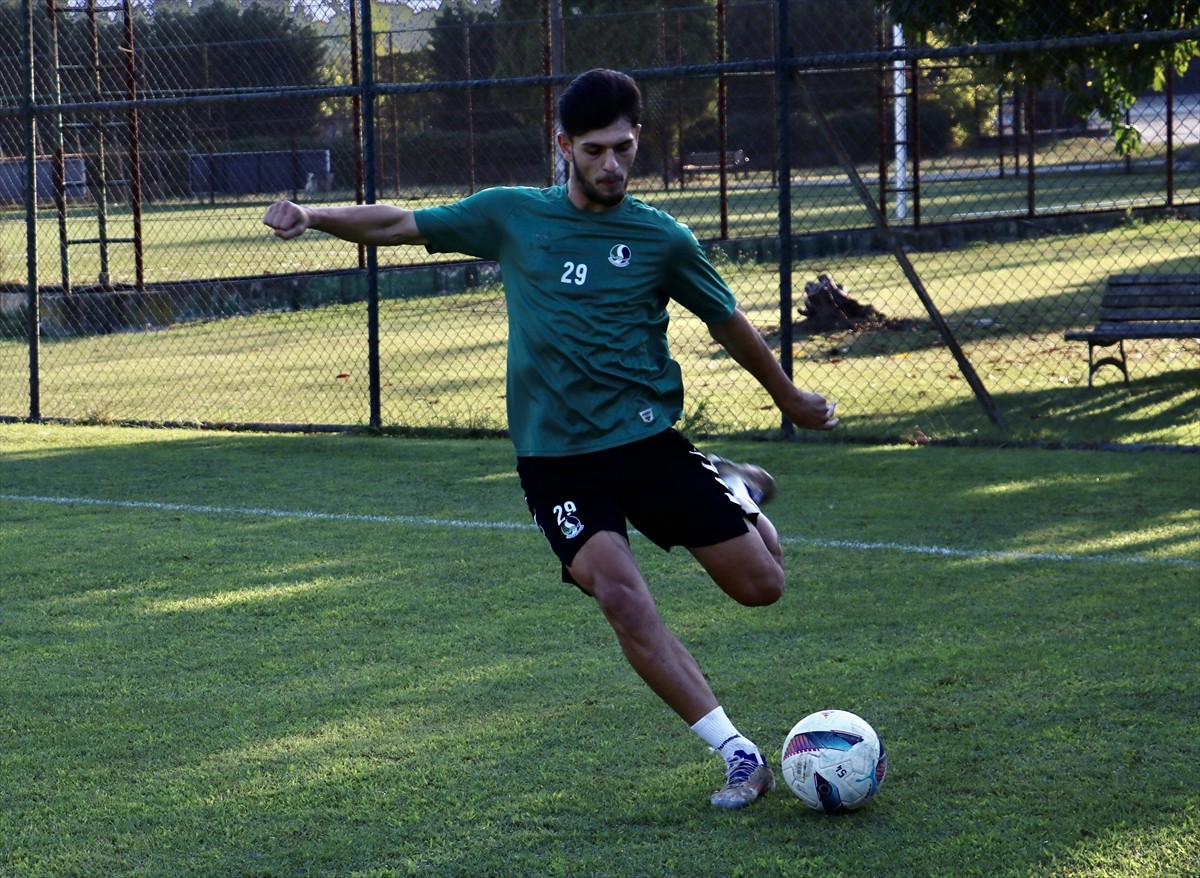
{"x":1149,"y":116}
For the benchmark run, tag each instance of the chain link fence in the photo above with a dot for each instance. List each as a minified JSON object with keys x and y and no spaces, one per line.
{"x":913,"y":221}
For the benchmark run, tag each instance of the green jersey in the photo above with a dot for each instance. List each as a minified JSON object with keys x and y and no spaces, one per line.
{"x":588,"y":363}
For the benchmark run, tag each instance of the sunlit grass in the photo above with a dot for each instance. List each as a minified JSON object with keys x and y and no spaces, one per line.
{"x":1007,"y":304}
{"x":443,"y":356}
{"x":200,"y":689}
{"x":194,"y":239}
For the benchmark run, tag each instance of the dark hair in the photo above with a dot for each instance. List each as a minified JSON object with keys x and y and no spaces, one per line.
{"x":597,"y":99}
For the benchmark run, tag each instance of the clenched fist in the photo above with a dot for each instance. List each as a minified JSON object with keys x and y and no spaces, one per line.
{"x":288,"y":219}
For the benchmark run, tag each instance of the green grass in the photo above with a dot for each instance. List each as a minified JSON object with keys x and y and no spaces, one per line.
{"x":350,"y":656}
{"x":187,"y":240}
{"x":1007,"y":303}
{"x":442,"y":362}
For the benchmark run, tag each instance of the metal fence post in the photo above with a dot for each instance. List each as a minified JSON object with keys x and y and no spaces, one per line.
{"x":783,"y":70}
{"x":369,"y":170}
{"x":1169,"y":93}
{"x":722,"y":121}
{"x":31,"y":264}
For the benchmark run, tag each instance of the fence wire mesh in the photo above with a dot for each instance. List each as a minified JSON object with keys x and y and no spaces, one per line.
{"x":141,"y":143}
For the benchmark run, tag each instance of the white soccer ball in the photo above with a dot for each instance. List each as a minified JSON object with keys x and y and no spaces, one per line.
{"x":833,"y":761}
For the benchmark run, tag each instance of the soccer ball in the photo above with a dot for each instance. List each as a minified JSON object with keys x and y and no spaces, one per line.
{"x":833,"y":761}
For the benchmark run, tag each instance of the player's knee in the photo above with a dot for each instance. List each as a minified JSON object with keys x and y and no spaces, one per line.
{"x":762,"y":590}
{"x":757,"y":586}
{"x":627,"y":605}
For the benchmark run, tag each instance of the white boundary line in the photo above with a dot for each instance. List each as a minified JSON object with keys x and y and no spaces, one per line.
{"x":270,"y":513}
{"x":857,"y":545}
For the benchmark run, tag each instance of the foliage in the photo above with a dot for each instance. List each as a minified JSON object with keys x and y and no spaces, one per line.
{"x":221,"y":47}
{"x":630,"y":35}
{"x":953,"y":92}
{"x":816,"y":27}
{"x":1102,"y":79}
{"x":214,"y":48}
{"x":501,"y":156}
{"x":463,"y":46}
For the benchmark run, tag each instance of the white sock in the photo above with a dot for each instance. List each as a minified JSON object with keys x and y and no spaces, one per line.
{"x":721,"y":734}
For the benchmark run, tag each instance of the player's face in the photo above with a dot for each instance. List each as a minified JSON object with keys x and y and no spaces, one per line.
{"x":600,"y":162}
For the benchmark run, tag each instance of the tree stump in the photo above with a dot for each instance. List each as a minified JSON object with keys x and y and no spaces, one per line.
{"x":829,"y":309}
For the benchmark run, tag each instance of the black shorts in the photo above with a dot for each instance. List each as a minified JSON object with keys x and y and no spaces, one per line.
{"x":662,"y":486}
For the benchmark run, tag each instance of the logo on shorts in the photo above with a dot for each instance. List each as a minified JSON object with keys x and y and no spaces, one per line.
{"x":620,"y":255}
{"x":647,"y":416}
{"x":570,"y":526}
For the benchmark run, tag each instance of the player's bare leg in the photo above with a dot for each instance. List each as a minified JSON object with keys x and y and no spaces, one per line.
{"x":749,"y":569}
{"x":605,"y":568}
{"x":746,"y":568}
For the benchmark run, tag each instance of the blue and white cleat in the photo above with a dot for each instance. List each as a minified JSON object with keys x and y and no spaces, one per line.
{"x":748,"y":780}
{"x":759,"y":484}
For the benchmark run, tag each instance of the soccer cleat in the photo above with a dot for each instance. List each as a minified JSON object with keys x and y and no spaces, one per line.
{"x":757,"y":480}
{"x":747,"y":781}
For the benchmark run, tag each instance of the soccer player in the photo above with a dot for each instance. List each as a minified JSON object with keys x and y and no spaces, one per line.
{"x":593,"y":394}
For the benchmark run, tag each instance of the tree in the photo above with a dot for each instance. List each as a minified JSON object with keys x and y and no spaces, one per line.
{"x":849,"y":95}
{"x":221,"y":47}
{"x":462,"y":46}
{"x":628,"y":35}
{"x":1105,"y":80}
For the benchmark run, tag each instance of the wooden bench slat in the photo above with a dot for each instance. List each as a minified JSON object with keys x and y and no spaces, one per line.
{"x":1163,"y":299}
{"x":1136,"y":330}
{"x":1192,"y":280}
{"x":1135,"y":314}
{"x":1153,"y":290}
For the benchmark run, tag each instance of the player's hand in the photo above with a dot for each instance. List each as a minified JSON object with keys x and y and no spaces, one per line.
{"x":289,"y":220}
{"x":811,"y":411}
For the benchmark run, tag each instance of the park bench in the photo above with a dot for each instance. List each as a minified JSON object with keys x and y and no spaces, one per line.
{"x":710,"y":162}
{"x":1141,"y":306}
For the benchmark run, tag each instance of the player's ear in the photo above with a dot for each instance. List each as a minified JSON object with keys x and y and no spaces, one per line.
{"x":564,"y":145}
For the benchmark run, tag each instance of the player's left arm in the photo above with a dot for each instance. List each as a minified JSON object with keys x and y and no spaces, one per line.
{"x":743,"y":342}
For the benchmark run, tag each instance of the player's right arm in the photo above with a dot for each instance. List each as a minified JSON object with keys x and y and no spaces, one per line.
{"x":382,"y":225}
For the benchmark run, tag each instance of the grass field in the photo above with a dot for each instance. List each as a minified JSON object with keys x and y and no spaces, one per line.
{"x":442,"y":354}
{"x":244,"y":655}
{"x":190,"y":239}
{"x":1007,"y":302}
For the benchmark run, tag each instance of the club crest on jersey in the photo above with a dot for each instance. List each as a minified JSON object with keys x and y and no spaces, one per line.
{"x":620,"y":255}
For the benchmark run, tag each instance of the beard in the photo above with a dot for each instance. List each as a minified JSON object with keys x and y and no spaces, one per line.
{"x":594,"y":194}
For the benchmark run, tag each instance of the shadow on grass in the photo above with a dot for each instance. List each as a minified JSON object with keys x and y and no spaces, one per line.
{"x":1046,"y":303}
{"x":1161,"y":410}
{"x":226,"y":693}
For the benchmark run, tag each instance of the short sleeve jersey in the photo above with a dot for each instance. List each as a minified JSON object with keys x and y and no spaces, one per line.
{"x":588,"y":362}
